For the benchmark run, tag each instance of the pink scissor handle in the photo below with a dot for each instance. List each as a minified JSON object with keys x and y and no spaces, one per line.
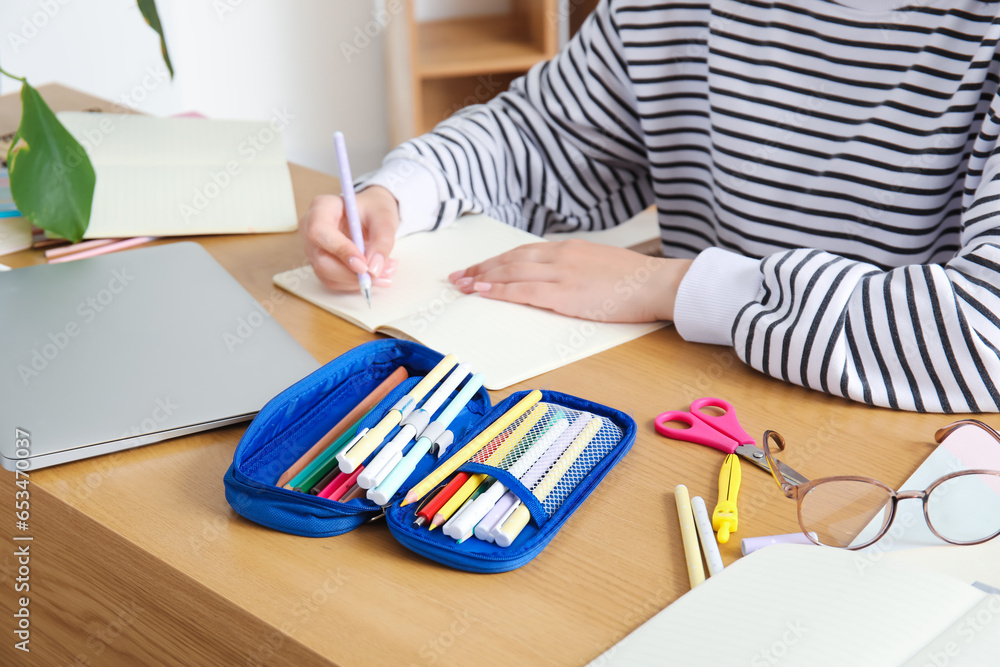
{"x":698,"y":432}
{"x":725,"y":423}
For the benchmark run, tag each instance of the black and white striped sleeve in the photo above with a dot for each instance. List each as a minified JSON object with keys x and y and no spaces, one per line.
{"x":917,"y":337}
{"x":561,"y":150}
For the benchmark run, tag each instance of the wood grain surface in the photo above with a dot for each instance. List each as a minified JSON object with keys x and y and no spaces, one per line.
{"x":138,"y":559}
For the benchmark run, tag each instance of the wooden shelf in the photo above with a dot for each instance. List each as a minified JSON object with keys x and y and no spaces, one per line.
{"x":471,"y":46}
{"x":437,"y":67}
{"x":441,"y":97}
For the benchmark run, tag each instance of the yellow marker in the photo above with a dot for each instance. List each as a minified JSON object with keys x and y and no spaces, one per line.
{"x":517,"y":435}
{"x":349,"y":460}
{"x":456,"y":500}
{"x":725,"y":518}
{"x":518,"y":519}
{"x":461,"y":456}
{"x":689,"y":536}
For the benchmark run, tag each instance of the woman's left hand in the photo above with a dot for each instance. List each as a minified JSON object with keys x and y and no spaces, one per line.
{"x":580,"y":278}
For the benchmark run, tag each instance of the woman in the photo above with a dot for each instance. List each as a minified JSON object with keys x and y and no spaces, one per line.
{"x":824,"y":175}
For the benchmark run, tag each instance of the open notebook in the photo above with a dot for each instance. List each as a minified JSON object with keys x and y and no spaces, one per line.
{"x":806,"y":605}
{"x":506,"y":342}
{"x":184,"y":176}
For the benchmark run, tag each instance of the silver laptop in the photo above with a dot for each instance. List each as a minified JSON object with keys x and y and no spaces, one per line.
{"x":103,"y":354}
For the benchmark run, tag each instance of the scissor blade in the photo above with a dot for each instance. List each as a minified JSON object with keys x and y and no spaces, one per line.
{"x":755,"y":455}
{"x":793,"y":477}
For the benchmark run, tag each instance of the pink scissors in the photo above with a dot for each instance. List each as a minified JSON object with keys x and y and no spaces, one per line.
{"x":722,"y":432}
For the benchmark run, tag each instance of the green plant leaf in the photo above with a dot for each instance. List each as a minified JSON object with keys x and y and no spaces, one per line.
{"x":51,"y":178}
{"x":148,"y":9}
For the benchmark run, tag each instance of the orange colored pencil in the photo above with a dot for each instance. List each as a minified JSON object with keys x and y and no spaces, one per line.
{"x":354,"y":415}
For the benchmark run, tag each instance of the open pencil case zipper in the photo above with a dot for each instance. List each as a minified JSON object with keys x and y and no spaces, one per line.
{"x":299,"y":416}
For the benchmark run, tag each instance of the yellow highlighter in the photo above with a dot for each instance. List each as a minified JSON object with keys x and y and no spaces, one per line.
{"x":494,"y":459}
{"x":463,"y":494}
{"x":351,"y":458}
{"x":465,"y":453}
{"x":725,"y":518}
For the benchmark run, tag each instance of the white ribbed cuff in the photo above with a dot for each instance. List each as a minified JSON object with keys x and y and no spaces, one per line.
{"x":712,"y":293}
{"x":413,"y":186}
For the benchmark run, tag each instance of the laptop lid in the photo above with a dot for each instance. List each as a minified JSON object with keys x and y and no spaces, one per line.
{"x":126,"y":349}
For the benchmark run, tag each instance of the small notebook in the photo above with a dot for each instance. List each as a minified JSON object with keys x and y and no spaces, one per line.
{"x":817,"y":606}
{"x":184,"y":176}
{"x":506,"y":342}
{"x":15,"y":231}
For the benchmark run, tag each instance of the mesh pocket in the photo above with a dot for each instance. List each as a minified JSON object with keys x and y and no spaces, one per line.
{"x":550,"y":449}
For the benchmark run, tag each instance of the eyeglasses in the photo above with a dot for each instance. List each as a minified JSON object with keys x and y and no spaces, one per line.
{"x":852,"y":512}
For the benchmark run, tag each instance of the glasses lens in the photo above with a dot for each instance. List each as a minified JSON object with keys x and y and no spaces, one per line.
{"x":845,"y":512}
{"x":966,"y":508}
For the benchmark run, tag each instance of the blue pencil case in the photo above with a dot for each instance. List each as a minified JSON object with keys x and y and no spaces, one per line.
{"x":530,"y":472}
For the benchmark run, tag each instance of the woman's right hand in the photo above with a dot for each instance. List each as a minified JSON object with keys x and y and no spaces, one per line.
{"x":334,"y":257}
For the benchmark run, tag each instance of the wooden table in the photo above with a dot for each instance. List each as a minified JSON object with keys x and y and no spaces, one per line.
{"x":138,"y":559}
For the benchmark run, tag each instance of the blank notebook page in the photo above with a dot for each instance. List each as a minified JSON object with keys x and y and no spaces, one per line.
{"x":801,"y":605}
{"x":507,"y":342}
{"x":183,"y":176}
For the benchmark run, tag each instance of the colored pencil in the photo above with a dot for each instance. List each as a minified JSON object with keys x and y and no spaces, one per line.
{"x":76,"y":247}
{"x":111,"y":247}
{"x":467,"y":452}
{"x":369,"y":402}
{"x":428,"y":511}
{"x":519,"y":518}
{"x":347,"y":485}
{"x":457,"y":500}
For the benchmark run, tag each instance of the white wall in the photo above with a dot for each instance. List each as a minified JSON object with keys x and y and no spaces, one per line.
{"x":321,"y":60}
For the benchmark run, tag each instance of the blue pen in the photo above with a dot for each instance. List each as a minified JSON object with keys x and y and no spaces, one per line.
{"x":436,"y":433}
{"x":351,"y":208}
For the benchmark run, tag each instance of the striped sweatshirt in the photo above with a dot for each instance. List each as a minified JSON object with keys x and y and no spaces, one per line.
{"x":832,"y":168}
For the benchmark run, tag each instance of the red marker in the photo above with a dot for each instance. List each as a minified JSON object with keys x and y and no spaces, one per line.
{"x":347,"y":484}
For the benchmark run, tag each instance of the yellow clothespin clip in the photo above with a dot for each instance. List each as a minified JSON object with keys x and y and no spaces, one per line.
{"x":725,"y":517}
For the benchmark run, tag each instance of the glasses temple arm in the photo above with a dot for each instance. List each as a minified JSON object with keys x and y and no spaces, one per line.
{"x":779,"y":441}
{"x":943,"y":433}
